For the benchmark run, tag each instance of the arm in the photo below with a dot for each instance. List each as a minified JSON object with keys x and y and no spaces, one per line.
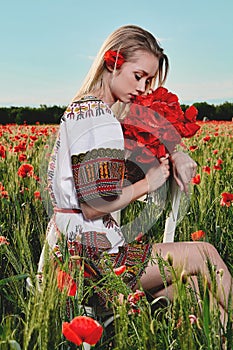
{"x":154,"y":179}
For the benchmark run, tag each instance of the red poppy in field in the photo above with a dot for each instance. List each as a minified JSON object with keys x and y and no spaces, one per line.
{"x":227,"y":199}
{"x":120,"y":270}
{"x":25,"y":170}
{"x":2,"y":151}
{"x":4,"y":194}
{"x":196,"y":179}
{"x":37,"y":195}
{"x":82,"y":329}
{"x":197,"y":235}
{"x":193,"y":148}
{"x":24,"y":136}
{"x":3,"y":240}
{"x":33,"y":137}
{"x":215,"y":151}
{"x":65,"y":281}
{"x":21,"y":147}
{"x":22,"y":157}
{"x":206,"y":138}
{"x":206,"y":169}
{"x":219,"y":161}
{"x":217,"y":167}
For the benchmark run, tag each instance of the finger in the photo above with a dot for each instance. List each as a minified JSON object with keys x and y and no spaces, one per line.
{"x":179,"y":183}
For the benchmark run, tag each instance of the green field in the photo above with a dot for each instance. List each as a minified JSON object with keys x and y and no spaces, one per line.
{"x":32,"y":319}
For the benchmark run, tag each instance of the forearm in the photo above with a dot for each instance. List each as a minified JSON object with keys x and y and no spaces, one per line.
{"x":97,"y":208}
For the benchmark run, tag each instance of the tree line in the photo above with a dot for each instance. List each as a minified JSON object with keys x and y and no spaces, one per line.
{"x":51,"y":115}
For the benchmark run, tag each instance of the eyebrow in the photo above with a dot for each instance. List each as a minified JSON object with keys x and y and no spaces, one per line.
{"x":143,"y":71}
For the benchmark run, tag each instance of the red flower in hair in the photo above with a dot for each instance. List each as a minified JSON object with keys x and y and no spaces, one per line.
{"x":113,"y":59}
{"x":82,"y":329}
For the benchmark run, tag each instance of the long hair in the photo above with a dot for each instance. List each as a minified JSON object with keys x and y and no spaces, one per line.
{"x":126,"y":40}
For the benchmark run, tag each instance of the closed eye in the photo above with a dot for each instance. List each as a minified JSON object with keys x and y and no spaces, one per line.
{"x":138,"y":77}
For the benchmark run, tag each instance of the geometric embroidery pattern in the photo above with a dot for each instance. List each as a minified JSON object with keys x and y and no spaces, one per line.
{"x":98,"y":173}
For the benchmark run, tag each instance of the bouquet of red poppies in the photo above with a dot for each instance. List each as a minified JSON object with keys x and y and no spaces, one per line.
{"x":154,"y":126}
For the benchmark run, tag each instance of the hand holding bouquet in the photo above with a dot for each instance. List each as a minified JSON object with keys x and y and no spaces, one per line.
{"x":153,"y":128}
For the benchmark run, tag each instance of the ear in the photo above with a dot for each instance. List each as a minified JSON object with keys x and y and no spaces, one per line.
{"x":109,"y":67}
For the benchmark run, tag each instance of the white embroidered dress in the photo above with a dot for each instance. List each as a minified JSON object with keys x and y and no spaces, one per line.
{"x":87,"y":163}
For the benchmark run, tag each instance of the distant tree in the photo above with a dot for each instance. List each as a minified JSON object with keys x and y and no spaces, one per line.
{"x":52,"y":114}
{"x":205,"y":110}
{"x":224,"y":111}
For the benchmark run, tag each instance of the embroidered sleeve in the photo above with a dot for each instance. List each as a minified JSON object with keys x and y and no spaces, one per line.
{"x":98,"y":173}
{"x":96,"y":149}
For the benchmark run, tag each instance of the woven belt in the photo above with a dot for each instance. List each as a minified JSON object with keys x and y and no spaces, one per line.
{"x":68,"y":211}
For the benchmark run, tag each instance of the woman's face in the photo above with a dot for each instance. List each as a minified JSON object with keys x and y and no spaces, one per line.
{"x":133,"y":78}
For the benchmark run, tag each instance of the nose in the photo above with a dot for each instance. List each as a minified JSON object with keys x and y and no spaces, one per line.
{"x":141,"y":86}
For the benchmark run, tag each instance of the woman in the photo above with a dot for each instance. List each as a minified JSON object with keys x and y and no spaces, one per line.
{"x":87,"y":167}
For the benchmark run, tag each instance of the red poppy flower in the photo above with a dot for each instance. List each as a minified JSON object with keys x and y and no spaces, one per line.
{"x":193,"y":148}
{"x":82,"y":329}
{"x":21,"y":147}
{"x":22,"y":157}
{"x":4,"y":194}
{"x":155,"y":124}
{"x":206,"y":169}
{"x":65,"y":281}
{"x":219,"y":161}
{"x":3,"y":240}
{"x":206,"y":138}
{"x":217,"y":167}
{"x":37,"y":195}
{"x":196,"y":179}
{"x":197,"y":235}
{"x":25,"y":170}
{"x":215,"y":151}
{"x":119,"y":270}
{"x":113,"y":59}
{"x":2,"y":151}
{"x":227,"y":199}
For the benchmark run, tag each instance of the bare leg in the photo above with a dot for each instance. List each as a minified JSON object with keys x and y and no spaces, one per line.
{"x":191,"y":257}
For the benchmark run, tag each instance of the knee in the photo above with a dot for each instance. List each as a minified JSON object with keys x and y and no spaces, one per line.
{"x":209,"y":249}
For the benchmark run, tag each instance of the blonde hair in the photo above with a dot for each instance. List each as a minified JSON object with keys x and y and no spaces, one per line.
{"x":127,"y":40}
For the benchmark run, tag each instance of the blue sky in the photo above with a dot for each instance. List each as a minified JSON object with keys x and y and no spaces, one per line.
{"x":47,"y":46}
